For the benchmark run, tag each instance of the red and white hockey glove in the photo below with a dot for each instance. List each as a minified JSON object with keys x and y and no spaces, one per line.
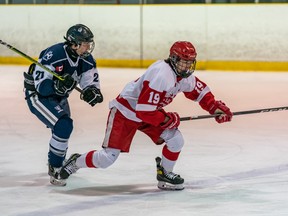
{"x":173,"y":121}
{"x":220,"y":107}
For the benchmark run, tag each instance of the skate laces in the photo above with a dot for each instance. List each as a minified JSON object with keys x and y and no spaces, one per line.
{"x":71,"y":167}
{"x":170,"y":175}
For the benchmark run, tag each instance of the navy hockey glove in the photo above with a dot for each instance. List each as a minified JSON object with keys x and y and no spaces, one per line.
{"x":63,"y":87}
{"x":91,"y":95}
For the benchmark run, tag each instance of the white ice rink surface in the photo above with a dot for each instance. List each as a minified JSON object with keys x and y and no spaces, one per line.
{"x":239,"y":168}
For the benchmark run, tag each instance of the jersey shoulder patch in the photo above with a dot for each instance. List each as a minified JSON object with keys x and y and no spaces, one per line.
{"x":52,"y":54}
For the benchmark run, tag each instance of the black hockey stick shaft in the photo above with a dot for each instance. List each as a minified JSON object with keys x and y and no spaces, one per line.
{"x":34,"y":61}
{"x":236,"y":113}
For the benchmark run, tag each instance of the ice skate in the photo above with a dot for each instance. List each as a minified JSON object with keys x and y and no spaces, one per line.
{"x":168,"y":180}
{"x":55,"y":179}
{"x":69,"y":167}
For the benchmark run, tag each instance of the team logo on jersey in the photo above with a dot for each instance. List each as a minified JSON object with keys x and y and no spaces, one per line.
{"x":59,"y":68}
{"x":169,"y":96}
{"x":58,"y":108}
{"x":48,"y":56}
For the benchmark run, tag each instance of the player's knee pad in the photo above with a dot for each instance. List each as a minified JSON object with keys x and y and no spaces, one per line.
{"x":105,"y":157}
{"x":64,"y":127}
{"x":174,"y":140}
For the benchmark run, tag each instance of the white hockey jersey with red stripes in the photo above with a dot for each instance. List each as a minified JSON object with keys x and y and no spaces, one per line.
{"x":144,"y":98}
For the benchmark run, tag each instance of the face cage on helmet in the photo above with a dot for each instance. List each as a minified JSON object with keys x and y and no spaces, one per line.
{"x":184,"y":73}
{"x":89,"y":51}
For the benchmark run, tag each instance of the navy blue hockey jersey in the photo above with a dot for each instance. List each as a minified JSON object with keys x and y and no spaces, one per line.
{"x":56,"y":58}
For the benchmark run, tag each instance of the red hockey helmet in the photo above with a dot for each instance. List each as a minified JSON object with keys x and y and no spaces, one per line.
{"x":183,"y":58}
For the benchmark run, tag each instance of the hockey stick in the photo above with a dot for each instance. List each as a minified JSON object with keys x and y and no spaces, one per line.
{"x":236,"y":113}
{"x":36,"y":62}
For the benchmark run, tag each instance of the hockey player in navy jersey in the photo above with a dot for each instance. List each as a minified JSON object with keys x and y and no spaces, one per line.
{"x":47,"y":96}
{"x":140,"y":106}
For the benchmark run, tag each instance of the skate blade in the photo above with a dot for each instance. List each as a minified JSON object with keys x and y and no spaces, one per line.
{"x":57,"y":182}
{"x":170,"y":187}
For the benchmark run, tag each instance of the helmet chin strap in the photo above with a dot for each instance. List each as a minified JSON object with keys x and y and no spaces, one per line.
{"x":72,"y":53}
{"x":185,"y":74}
{"x":84,"y":55}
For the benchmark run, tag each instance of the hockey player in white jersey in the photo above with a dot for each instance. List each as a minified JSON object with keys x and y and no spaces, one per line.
{"x":140,"y":106}
{"x":46,"y":95}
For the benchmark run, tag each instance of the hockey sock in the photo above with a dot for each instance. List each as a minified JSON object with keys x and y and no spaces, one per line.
{"x":169,"y":158}
{"x":57,"y":151}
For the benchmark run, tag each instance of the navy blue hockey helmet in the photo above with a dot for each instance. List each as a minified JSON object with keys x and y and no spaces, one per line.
{"x":78,"y":34}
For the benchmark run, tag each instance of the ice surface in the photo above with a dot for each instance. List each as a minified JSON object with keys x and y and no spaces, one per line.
{"x":239,"y":168}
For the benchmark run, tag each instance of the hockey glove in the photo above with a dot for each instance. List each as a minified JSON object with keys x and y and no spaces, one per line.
{"x":173,"y":121}
{"x":63,"y":87}
{"x":218,"y":107}
{"x":91,"y":95}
